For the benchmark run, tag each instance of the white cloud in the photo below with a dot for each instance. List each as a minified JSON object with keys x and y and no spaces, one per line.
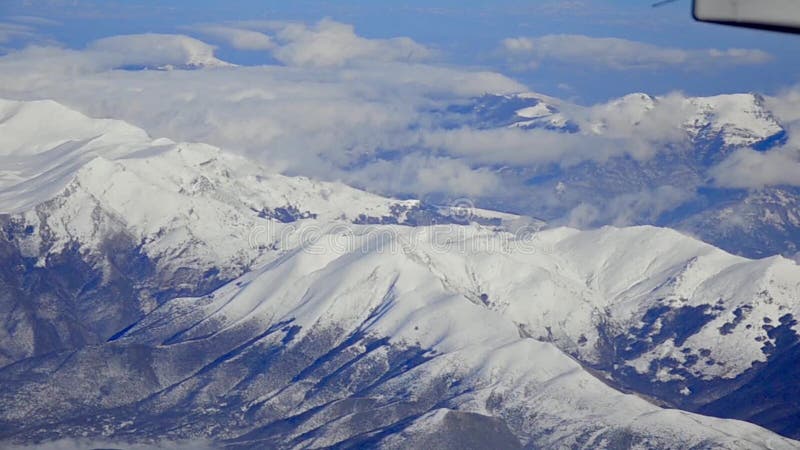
{"x":784,"y":106}
{"x":238,"y":38}
{"x":34,"y":20}
{"x":519,"y":147}
{"x":642,"y":117}
{"x":154,"y":50}
{"x":514,"y":146}
{"x":13,"y":31}
{"x":419,"y":175}
{"x":628,"y":209}
{"x":752,"y":169}
{"x":621,"y":54}
{"x":748,"y":168}
{"x":24,"y":30}
{"x":333,"y":44}
{"x":325,"y":44}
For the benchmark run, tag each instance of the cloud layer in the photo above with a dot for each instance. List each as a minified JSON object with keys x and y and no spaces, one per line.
{"x":371,"y":96}
{"x":238,"y":38}
{"x":23,"y":29}
{"x":324,"y":44}
{"x":621,"y":54}
{"x":370,"y":112}
{"x":752,"y":169}
{"x":332,"y":44}
{"x":154,"y":50}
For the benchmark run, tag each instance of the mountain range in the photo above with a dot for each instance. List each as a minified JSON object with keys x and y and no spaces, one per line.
{"x":672,"y":185}
{"x":157,"y":291}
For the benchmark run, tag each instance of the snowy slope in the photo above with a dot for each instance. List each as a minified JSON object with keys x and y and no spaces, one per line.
{"x":43,"y":144}
{"x":337,"y":312}
{"x":390,"y":285}
{"x":187,"y":204}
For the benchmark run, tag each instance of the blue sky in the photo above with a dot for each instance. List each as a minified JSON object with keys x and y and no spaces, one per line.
{"x":465,"y":33}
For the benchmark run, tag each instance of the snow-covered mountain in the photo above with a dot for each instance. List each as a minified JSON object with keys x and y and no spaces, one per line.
{"x":525,"y":111}
{"x":116,"y":171}
{"x":326,"y":346}
{"x":738,"y":119}
{"x":683,"y":140}
{"x":734,"y":120}
{"x":159,"y":290}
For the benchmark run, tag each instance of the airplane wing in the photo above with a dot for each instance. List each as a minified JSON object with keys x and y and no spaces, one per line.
{"x":775,"y":15}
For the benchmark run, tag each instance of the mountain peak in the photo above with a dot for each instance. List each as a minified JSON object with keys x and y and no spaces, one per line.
{"x":740,"y":119}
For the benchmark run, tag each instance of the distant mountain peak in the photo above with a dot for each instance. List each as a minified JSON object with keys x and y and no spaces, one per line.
{"x":740,"y":119}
